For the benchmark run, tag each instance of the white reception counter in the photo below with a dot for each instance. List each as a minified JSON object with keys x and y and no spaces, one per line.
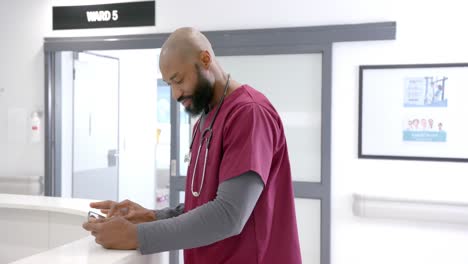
{"x":38,"y":229}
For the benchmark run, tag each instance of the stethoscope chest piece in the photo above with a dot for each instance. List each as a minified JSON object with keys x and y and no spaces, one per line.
{"x":188,"y":157}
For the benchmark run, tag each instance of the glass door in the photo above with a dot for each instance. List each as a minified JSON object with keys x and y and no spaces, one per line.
{"x":95,"y":127}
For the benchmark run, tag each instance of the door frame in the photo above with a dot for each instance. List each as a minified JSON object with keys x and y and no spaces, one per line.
{"x":273,"y":41}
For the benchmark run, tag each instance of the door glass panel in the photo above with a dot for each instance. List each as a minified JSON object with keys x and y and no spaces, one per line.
{"x":293,"y":83}
{"x":163,"y":134}
{"x":185,"y":139}
{"x":95,"y":127}
{"x":308,"y":224}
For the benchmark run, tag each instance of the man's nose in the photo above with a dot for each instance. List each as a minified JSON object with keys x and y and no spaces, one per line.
{"x":176,"y":93}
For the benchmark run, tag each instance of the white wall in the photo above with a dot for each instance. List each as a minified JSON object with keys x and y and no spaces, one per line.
{"x":22,"y":83}
{"x":427,"y":32}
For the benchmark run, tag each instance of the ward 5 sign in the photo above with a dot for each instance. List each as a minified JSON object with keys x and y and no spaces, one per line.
{"x":132,"y":14}
{"x":99,"y":16}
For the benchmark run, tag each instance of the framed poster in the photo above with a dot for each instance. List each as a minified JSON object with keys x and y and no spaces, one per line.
{"x":415,"y":112}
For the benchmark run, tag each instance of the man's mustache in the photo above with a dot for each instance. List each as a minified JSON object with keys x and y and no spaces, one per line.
{"x":182,"y":98}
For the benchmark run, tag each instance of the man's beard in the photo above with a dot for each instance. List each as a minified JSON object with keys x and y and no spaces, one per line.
{"x":202,"y":95}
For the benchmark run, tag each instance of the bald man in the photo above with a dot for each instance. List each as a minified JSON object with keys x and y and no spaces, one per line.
{"x":239,"y":202}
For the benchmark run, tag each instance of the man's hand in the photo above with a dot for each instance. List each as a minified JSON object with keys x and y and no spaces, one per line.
{"x":113,"y":233}
{"x":104,"y":206}
{"x":129,"y":210}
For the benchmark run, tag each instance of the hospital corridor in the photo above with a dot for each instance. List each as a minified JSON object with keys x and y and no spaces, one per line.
{"x":209,"y":132}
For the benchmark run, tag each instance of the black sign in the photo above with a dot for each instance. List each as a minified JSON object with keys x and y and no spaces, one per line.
{"x":131,"y":14}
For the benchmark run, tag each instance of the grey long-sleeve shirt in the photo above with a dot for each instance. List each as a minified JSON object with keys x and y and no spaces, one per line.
{"x":219,"y":219}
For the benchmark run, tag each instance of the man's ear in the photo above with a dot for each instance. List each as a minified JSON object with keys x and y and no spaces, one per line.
{"x":205,"y":59}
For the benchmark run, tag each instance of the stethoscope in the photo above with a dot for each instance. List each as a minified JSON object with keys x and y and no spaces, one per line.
{"x":208,"y":132}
